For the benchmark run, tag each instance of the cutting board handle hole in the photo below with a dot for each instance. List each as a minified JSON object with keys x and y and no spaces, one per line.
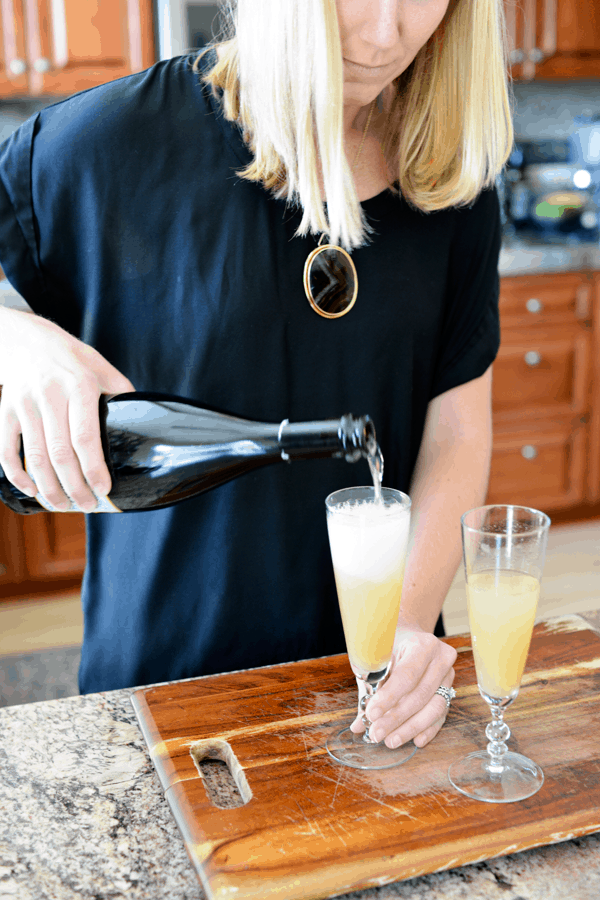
{"x":224,"y":779}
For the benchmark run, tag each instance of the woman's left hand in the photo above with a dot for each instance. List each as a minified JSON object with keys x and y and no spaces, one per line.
{"x":407,"y":708}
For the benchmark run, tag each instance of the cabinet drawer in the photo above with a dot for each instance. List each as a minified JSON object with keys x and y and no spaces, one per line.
{"x":544,"y":468}
{"x":545,"y":300}
{"x":541,"y":378}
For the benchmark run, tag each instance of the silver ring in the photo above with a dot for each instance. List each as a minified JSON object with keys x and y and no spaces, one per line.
{"x":447,"y":693}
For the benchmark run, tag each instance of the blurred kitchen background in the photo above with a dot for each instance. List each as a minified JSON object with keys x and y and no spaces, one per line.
{"x":547,"y":376}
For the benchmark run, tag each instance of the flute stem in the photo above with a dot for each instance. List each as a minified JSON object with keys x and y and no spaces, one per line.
{"x":497,"y":733}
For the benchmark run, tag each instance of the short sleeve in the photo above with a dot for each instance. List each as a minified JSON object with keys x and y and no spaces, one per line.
{"x":470,"y":334}
{"x":18,"y":246}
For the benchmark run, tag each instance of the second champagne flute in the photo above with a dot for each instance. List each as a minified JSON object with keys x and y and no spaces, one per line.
{"x":368,"y":537}
{"x":504,"y":550}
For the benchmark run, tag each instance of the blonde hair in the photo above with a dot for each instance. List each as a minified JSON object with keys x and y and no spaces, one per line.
{"x":449,"y":128}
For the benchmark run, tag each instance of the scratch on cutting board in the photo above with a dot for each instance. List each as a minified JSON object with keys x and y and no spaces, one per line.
{"x":310,"y":824}
{"x":337,"y":784}
{"x":433,"y":795}
{"x":394,"y":809}
{"x":331,"y":825}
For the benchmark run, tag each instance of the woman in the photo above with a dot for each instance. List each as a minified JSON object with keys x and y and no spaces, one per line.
{"x":159,"y":227}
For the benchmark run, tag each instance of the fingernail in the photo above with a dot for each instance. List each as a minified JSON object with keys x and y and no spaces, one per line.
{"x":395,"y":743}
{"x":374,"y":713}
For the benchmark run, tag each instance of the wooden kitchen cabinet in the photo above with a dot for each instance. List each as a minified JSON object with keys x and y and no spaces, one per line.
{"x":40,"y":552}
{"x":545,"y":393}
{"x":59,"y":47}
{"x":554,"y":39}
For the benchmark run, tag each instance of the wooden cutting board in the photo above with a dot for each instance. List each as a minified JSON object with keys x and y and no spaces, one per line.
{"x":314,"y":828}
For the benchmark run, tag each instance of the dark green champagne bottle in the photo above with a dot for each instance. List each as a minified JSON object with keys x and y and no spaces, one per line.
{"x":161,"y":450}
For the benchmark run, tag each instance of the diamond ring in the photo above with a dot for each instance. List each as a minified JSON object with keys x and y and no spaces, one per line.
{"x":447,"y":693}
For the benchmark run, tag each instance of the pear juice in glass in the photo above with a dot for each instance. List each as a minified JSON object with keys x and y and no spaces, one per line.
{"x":368,"y":537}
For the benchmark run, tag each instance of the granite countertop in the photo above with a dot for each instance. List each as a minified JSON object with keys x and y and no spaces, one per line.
{"x":82,"y":815}
{"x":518,"y":257}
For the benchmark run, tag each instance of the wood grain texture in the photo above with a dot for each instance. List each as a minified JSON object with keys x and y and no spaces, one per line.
{"x":314,"y":828}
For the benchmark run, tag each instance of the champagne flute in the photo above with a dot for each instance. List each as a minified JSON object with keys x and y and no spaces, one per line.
{"x":368,"y":537}
{"x":504,"y":548}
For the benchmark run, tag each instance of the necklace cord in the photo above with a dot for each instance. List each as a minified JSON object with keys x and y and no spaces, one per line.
{"x":364,"y":134}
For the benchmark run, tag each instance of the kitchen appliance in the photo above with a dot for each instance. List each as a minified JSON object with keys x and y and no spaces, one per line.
{"x":551,"y":193}
{"x":183,"y":25}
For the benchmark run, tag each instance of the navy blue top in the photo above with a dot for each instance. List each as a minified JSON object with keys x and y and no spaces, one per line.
{"x":123,"y":220}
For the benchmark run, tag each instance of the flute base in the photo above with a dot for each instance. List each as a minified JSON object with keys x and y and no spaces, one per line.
{"x":351,"y":750}
{"x":516,"y":779}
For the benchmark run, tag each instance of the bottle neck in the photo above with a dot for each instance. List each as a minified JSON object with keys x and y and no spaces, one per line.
{"x":347,"y":437}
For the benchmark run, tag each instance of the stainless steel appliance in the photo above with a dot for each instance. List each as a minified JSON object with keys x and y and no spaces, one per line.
{"x":551,"y":192}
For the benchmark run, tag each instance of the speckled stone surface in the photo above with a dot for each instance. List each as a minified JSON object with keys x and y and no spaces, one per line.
{"x":522,"y":258}
{"x":82,"y":815}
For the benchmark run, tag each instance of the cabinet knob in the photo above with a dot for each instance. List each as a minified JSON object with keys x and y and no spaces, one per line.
{"x":536,"y":55}
{"x":42,"y":65}
{"x":533,"y":305}
{"x":516,"y":57}
{"x":529,"y":451}
{"x":17,"y":66}
{"x":533,"y":358}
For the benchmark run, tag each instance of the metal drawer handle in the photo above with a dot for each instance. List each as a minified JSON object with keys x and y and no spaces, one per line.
{"x":533,"y":358}
{"x":529,"y":451}
{"x":534,"y":306}
{"x":42,"y":65}
{"x":17,"y":66}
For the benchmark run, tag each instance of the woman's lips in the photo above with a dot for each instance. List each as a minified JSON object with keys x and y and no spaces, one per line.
{"x":376,"y":73}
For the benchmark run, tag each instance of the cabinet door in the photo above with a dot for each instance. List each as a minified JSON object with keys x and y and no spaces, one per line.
{"x":12,"y":551}
{"x":554,"y":39}
{"x":13,"y":66}
{"x":54,"y":546}
{"x":593,"y":465}
{"x":76,"y":44}
{"x":574,"y":28}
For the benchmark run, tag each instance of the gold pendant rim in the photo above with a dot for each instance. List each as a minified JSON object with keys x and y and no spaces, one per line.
{"x":309,"y":260}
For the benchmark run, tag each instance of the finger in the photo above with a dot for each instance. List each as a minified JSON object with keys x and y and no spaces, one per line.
{"x":409,"y":707}
{"x":406,"y":673}
{"x":414,"y":678}
{"x":357,"y":726}
{"x":62,"y":455}
{"x":37,"y":459}
{"x":10,"y":453}
{"x":84,"y":426}
{"x":422,"y":739}
{"x":424,"y":727}
{"x":110,"y":380}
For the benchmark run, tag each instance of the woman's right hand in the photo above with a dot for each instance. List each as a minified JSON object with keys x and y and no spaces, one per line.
{"x":51,"y":385}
